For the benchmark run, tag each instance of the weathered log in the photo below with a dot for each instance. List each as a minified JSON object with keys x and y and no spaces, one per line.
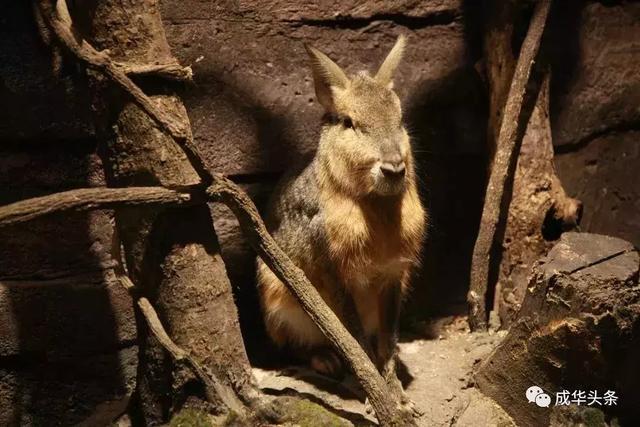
{"x":214,"y":388}
{"x":577,"y":330}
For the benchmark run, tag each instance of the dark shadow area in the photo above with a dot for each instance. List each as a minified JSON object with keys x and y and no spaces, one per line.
{"x":63,"y":349}
{"x":35,"y":103}
{"x":59,"y":304}
{"x":562,"y":51}
{"x":447,"y":119}
{"x":276,"y":147}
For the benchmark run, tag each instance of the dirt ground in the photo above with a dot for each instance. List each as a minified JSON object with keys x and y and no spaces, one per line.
{"x":437,"y":374}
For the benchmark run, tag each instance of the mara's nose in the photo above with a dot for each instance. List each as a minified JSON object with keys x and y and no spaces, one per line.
{"x":393,"y":169}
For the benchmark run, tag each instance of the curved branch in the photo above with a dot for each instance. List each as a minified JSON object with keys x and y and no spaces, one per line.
{"x":90,"y":198}
{"x":60,"y":25}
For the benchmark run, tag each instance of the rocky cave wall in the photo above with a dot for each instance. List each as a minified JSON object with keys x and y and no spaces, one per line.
{"x":67,"y":336}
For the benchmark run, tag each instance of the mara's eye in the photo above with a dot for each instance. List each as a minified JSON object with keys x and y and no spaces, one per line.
{"x":347,"y":123}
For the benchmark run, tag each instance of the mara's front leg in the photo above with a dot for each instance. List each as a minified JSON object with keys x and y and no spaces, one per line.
{"x":389,"y":301}
{"x":355,"y":320}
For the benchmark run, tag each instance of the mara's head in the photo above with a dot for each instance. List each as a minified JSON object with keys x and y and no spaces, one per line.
{"x":364,"y":148}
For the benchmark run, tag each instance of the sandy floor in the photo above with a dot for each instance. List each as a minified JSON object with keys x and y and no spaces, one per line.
{"x":439,"y":380}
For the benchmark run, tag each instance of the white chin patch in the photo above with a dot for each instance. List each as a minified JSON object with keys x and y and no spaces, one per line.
{"x":384,"y":186}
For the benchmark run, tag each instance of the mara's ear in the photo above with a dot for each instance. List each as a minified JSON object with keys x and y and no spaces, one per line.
{"x":327,"y":76}
{"x":388,"y":67}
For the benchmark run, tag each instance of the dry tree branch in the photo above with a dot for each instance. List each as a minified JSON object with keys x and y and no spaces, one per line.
{"x":215,"y":389}
{"x":172,"y":71}
{"x":90,"y":198}
{"x":509,"y":138}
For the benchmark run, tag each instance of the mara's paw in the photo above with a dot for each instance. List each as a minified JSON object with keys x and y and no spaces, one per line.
{"x":409,"y":407}
{"x":325,"y":361}
{"x":406,"y":404}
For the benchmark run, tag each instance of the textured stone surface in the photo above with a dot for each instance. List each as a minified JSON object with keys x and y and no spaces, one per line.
{"x":253,"y":108}
{"x":597,"y":86}
{"x":605,"y":176}
{"x":595,"y":115}
{"x":63,"y":323}
{"x":66,"y":316}
{"x":577,"y":330}
{"x":57,"y":291}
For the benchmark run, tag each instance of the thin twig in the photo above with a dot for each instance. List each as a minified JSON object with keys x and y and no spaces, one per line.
{"x":509,"y":139}
{"x":85,"y":199}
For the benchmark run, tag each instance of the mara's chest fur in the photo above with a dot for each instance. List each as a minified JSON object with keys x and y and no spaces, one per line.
{"x":373,"y":241}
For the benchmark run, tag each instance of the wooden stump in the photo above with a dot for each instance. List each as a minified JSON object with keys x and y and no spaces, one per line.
{"x":577,"y":330}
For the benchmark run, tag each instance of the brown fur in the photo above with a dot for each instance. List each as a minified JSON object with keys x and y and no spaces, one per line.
{"x":350,"y":227}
